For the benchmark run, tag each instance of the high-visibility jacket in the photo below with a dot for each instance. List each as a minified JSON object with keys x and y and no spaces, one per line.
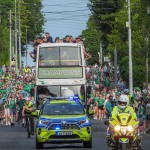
{"x":30,"y":105}
{"x":128,"y":109}
{"x":26,"y":70}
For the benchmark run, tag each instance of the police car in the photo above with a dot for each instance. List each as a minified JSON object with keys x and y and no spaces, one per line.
{"x":63,"y":120}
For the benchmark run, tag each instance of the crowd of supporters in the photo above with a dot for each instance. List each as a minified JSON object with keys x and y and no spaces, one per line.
{"x":13,"y":90}
{"x":49,"y":39}
{"x":103,"y":95}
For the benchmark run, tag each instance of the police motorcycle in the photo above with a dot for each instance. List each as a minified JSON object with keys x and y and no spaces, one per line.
{"x":123,"y":132}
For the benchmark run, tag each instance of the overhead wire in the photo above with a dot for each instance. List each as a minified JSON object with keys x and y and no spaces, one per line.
{"x":68,"y":11}
{"x":69,"y":18}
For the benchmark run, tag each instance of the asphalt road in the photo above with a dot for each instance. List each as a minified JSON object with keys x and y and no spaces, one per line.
{"x":16,"y":138}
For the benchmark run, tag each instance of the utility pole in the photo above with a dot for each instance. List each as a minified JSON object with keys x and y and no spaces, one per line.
{"x":147,"y":70}
{"x":10,"y":42}
{"x":16,"y":55}
{"x":101,"y":57}
{"x":26,"y":45}
{"x":115,"y":67}
{"x":19,"y":36}
{"x":130,"y":50}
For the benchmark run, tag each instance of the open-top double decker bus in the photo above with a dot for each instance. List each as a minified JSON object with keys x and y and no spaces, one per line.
{"x":60,"y":71}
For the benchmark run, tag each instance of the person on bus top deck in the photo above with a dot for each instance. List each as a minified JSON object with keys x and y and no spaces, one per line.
{"x":48,"y":38}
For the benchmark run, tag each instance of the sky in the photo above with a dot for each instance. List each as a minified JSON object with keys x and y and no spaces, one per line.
{"x":64,"y":17}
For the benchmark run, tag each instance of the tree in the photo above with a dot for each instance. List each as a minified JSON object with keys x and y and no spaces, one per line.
{"x":92,"y":36}
{"x":31,"y":18}
{"x":110,"y":17}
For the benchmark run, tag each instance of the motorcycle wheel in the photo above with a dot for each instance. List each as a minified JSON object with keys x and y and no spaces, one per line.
{"x":124,"y":146}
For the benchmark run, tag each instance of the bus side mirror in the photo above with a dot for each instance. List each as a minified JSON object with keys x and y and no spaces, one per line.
{"x":32,"y":92}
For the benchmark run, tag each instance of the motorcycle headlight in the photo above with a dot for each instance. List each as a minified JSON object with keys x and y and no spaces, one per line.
{"x":83,"y":121}
{"x":123,"y":130}
{"x":130,"y":128}
{"x":117,"y":128}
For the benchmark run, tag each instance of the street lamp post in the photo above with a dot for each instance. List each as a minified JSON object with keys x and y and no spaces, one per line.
{"x":19,"y":36}
{"x":26,"y":46}
{"x":10,"y":42}
{"x":130,"y":50}
{"x":101,"y":54}
{"x":16,"y":46}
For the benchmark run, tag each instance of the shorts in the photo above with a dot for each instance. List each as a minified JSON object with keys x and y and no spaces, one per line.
{"x":141,"y":117}
{"x":109,"y":115}
{"x":12,"y":111}
{"x":147,"y":117}
{"x":7,"y":111}
{"x":101,"y":107}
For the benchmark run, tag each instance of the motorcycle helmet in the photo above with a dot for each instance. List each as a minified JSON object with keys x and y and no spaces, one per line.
{"x":123,"y":101}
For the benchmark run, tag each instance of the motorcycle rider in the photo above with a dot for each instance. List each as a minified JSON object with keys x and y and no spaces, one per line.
{"x":123,"y":107}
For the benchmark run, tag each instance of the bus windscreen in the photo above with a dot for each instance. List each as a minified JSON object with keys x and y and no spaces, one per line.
{"x":59,"y":56}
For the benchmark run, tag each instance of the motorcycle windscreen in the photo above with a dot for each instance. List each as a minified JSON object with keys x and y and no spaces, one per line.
{"x":123,"y":140}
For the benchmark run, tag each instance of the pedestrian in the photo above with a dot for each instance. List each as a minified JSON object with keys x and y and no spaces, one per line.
{"x":148,"y":116}
{"x":12,"y":106}
{"x":7,"y":112}
{"x":108,"y":107}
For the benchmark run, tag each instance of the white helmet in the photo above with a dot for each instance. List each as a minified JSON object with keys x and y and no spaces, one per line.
{"x":27,"y":98}
{"x":123,"y":101}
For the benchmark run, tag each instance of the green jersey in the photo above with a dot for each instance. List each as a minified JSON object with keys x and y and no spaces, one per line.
{"x":101,"y":102}
{"x":97,"y":80}
{"x":27,"y":88}
{"x":96,"y":99}
{"x":92,"y":96}
{"x":12,"y":104}
{"x":20,"y":103}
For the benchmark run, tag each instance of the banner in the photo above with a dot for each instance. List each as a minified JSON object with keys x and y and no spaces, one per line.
{"x":60,"y":73}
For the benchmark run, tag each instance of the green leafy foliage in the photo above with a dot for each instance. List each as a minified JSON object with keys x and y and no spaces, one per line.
{"x":31,"y":18}
{"x":109,"y":18}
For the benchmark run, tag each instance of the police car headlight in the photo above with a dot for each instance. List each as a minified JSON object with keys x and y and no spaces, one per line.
{"x":43,"y":122}
{"x":40,"y":122}
{"x":83,"y":121}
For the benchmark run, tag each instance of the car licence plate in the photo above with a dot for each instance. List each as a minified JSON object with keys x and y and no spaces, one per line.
{"x":64,"y":133}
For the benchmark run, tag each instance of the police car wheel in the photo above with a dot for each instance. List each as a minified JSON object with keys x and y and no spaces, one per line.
{"x":39,"y":145}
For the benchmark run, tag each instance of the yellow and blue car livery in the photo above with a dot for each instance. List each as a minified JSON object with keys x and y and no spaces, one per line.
{"x":67,"y":126}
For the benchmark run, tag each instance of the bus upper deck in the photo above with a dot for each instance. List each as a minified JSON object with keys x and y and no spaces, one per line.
{"x":60,"y":64}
